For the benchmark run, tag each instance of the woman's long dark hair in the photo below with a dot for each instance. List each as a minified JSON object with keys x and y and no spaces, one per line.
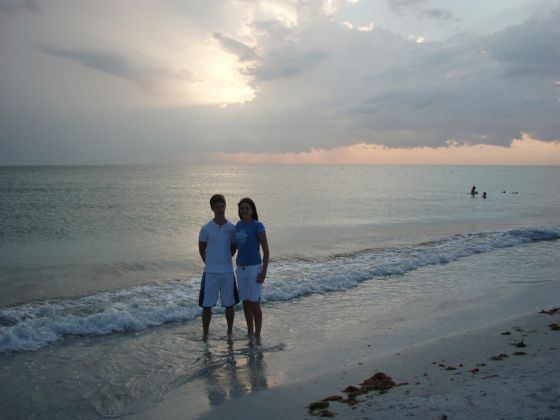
{"x":247,"y":200}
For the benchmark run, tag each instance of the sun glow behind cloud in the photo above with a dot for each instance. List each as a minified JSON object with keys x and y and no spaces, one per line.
{"x":218,"y":78}
{"x":210,"y":76}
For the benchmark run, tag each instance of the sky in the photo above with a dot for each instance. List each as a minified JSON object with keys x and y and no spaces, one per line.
{"x":292,"y":81}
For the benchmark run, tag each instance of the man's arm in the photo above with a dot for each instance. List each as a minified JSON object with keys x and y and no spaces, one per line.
{"x":202,"y":250}
{"x":233,"y":248}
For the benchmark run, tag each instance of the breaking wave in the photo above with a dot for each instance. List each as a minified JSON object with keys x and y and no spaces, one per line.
{"x":31,"y":326}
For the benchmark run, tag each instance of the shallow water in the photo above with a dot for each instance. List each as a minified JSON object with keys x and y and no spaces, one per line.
{"x":75,"y":231}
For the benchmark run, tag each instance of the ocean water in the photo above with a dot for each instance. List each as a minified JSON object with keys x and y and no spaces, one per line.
{"x":101,"y":264}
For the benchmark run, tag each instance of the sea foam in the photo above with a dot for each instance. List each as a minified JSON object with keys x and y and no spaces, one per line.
{"x":31,"y":326}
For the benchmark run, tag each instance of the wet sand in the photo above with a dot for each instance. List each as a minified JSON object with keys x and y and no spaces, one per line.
{"x":505,"y":370}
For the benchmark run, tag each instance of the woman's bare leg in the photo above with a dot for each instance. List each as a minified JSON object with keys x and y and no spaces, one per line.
{"x":248,"y":309}
{"x":257,"y":316}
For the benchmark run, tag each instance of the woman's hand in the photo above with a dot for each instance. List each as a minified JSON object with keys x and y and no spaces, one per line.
{"x":261,"y":277}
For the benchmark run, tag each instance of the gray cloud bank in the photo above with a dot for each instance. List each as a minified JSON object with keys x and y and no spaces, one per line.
{"x":134,"y":69}
{"x":418,"y":7}
{"x":13,"y":7}
{"x":320,"y":85}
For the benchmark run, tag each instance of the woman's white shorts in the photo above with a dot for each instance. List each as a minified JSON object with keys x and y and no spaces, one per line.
{"x":249,"y":289}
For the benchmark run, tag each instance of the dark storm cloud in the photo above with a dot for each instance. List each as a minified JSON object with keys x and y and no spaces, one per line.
{"x":532,"y":48}
{"x":486,"y":90}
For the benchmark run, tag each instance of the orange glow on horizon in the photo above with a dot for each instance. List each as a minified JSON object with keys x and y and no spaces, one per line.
{"x":526,"y":151}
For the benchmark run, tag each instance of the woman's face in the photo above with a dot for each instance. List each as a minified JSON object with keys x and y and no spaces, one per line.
{"x":245,"y":211}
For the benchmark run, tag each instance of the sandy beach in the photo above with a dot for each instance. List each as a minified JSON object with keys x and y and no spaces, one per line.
{"x":505,"y":370}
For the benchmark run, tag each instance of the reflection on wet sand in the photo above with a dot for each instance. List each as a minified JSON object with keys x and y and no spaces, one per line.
{"x":234,"y":373}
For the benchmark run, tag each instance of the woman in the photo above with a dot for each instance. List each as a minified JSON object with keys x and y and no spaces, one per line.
{"x":250,"y":236}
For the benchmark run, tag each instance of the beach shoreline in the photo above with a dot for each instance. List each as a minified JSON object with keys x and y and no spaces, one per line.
{"x":507,"y":369}
{"x":312,"y":348}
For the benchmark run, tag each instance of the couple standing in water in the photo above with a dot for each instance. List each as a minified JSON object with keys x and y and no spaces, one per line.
{"x":218,"y":242}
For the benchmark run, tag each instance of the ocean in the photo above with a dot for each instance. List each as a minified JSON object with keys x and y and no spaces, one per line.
{"x":99,"y":272}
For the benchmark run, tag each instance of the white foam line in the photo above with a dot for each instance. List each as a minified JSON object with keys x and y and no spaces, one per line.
{"x":35,"y":325}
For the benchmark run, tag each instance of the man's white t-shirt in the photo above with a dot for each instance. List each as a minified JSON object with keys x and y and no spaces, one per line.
{"x":218,"y":240}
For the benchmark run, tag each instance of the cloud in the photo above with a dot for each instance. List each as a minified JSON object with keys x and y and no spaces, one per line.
{"x":13,"y":7}
{"x":529,"y":49}
{"x":438,"y":14}
{"x":135,"y":69}
{"x":272,"y":29}
{"x":286,"y":62}
{"x":525,"y":151}
{"x":399,"y":4}
{"x":379,"y":88}
{"x":331,"y":7}
{"x":279,"y":55}
{"x":243,"y":51}
{"x":316,"y":84}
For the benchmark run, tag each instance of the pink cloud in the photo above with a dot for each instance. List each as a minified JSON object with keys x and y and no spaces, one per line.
{"x":525,"y":151}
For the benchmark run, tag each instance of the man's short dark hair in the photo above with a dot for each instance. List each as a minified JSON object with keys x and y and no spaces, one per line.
{"x":216,"y":198}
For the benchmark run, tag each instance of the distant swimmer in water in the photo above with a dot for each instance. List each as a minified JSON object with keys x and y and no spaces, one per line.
{"x":474,"y":191}
{"x":484,"y":194}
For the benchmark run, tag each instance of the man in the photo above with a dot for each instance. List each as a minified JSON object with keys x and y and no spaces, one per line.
{"x":216,"y":245}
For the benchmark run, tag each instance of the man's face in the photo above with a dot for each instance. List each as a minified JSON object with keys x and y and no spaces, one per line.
{"x":219,"y":209}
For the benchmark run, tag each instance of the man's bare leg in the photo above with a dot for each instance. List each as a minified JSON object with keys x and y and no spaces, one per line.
{"x":230,"y":315}
{"x":206,"y":317}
